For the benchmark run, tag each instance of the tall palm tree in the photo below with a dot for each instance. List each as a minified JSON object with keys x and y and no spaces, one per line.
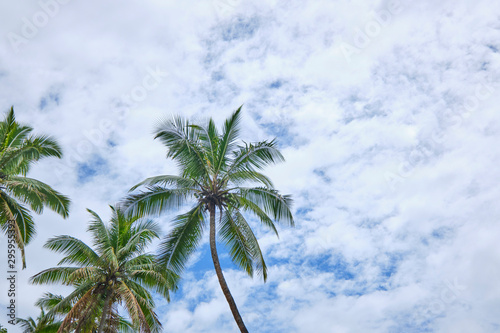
{"x":117,"y":271}
{"x":19,"y":150}
{"x":213,"y":169}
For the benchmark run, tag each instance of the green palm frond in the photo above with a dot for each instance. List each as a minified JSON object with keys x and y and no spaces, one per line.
{"x":249,"y":206}
{"x":63,"y":306}
{"x":243,"y":245}
{"x":100,"y":234}
{"x":17,"y":159}
{"x":231,"y":234}
{"x":12,"y":210}
{"x":54,"y":275}
{"x":24,"y":227}
{"x":37,"y":194}
{"x":255,"y":155}
{"x":247,"y":176}
{"x":229,"y":139}
{"x":181,"y":242}
{"x":44,"y":323}
{"x":133,"y":307}
{"x":272,"y":202}
{"x":209,"y":140}
{"x":167,"y":180}
{"x":77,"y":252}
{"x":155,"y":200}
{"x":27,"y":325}
{"x":183,"y":143}
{"x":252,"y":243}
{"x":49,"y":301}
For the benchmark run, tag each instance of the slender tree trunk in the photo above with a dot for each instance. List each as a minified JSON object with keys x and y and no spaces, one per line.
{"x":218,"y":271}
{"x":107,"y":307}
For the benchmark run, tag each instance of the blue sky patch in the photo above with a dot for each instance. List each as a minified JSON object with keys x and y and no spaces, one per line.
{"x":242,"y":28}
{"x":51,"y":98}
{"x":86,"y":171}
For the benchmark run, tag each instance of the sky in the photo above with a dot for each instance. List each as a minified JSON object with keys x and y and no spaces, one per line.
{"x":386,"y":113}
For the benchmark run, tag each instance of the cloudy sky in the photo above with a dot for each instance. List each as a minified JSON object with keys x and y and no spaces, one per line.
{"x":386,"y":112}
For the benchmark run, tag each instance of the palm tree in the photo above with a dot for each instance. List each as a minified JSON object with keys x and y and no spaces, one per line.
{"x":213,"y":169}
{"x":117,"y":272}
{"x":52,"y":302}
{"x":42,"y":324}
{"x":19,"y":149}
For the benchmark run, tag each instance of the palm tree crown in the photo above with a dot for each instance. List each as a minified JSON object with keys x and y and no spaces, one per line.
{"x":19,"y":149}
{"x":117,"y":272}
{"x":213,"y":171}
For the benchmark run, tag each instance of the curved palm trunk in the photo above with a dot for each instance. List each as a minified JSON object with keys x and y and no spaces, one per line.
{"x":218,"y":271}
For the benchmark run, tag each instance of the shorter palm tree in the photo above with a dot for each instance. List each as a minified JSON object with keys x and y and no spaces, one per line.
{"x":19,"y":149}
{"x":44,"y":323}
{"x":117,"y":272}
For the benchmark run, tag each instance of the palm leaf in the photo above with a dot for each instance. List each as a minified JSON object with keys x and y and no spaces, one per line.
{"x":37,"y":194}
{"x":155,"y":200}
{"x":176,"y":248}
{"x":272,"y":202}
{"x":229,"y":138}
{"x":77,"y":252}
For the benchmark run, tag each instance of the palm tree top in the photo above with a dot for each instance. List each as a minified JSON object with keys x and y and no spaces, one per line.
{"x":19,"y":150}
{"x":214,"y":169}
{"x":212,"y":165}
{"x":116,"y":269}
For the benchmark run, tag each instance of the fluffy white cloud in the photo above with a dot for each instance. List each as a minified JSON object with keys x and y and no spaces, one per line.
{"x":385,"y":112}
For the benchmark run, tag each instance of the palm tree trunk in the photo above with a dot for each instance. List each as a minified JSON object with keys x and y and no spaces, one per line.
{"x":107,"y":307}
{"x":218,"y":271}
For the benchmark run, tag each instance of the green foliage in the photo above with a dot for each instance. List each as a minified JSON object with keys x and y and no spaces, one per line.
{"x":214,"y":169}
{"x":44,"y":323}
{"x":19,"y":150}
{"x":116,"y":270}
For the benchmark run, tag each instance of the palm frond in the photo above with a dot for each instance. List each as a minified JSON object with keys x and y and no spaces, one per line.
{"x":229,"y":139}
{"x":133,"y":307}
{"x":17,"y":160}
{"x":77,"y":252}
{"x":183,"y":144}
{"x":249,"y":206}
{"x":249,"y":176}
{"x":155,"y":200}
{"x":272,"y":202}
{"x":255,"y":155}
{"x":37,"y":194}
{"x":176,"y":248}
{"x":166,"y":180}
{"x":54,"y":275}
{"x":232,"y":234}
{"x":24,"y":227}
{"x":253,"y":244}
{"x":139,"y":237}
{"x":100,"y":233}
